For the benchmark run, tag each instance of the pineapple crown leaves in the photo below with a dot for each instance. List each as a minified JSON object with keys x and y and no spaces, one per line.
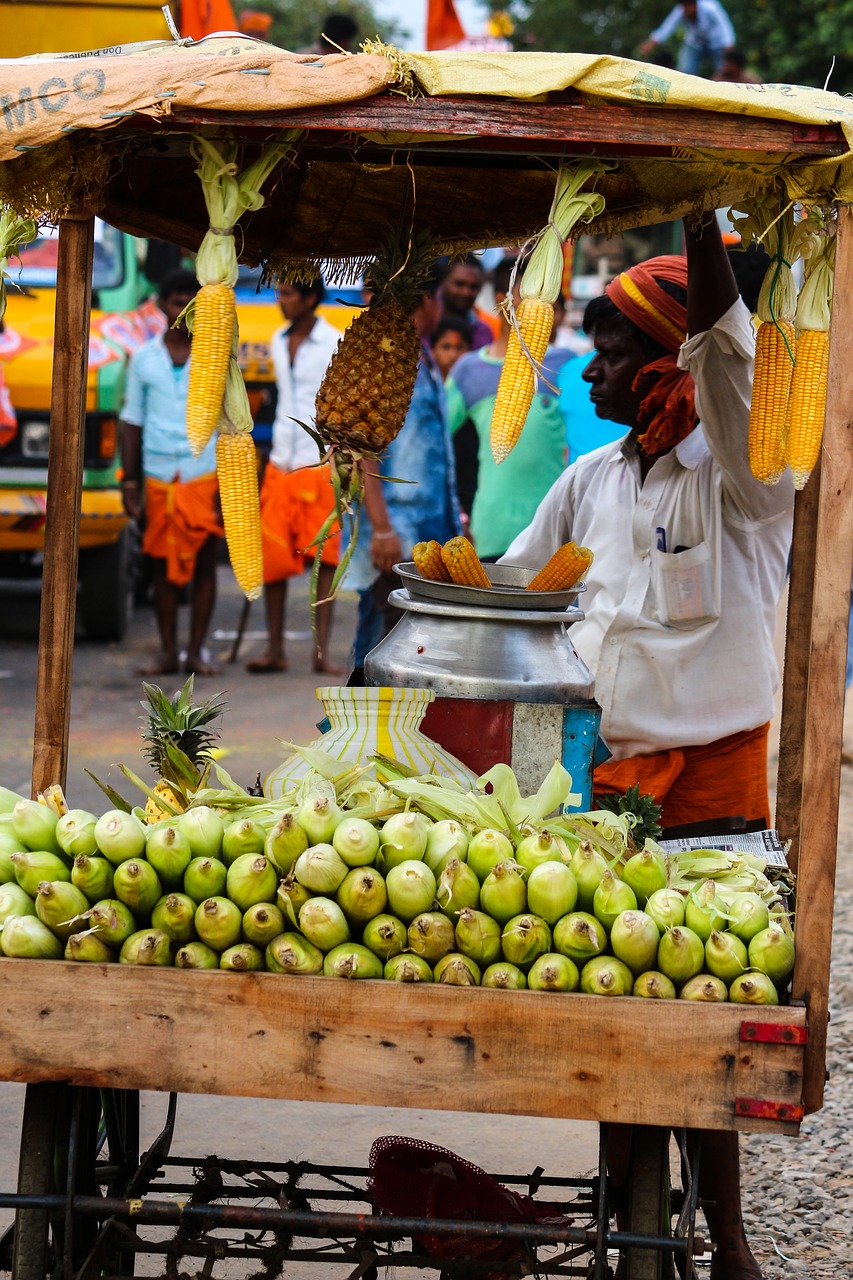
{"x":643,"y":807}
{"x":402,"y":269}
{"x":177,"y":734}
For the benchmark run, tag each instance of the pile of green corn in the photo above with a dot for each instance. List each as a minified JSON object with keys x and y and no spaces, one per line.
{"x":381,"y":875}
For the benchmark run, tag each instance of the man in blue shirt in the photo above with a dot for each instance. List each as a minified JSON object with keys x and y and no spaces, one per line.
{"x":707,"y":33}
{"x":182,"y":521}
{"x":394,"y":515}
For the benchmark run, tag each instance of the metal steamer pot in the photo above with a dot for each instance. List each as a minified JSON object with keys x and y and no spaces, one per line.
{"x":509,"y":684}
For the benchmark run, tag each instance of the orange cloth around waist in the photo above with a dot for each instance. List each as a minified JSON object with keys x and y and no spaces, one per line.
{"x":179,"y":518}
{"x":697,"y":784}
{"x":294,"y":505}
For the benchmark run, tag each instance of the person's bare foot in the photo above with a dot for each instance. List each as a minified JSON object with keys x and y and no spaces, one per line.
{"x":326,"y":667}
{"x":196,"y":666}
{"x":166,"y":664}
{"x":267,"y":665}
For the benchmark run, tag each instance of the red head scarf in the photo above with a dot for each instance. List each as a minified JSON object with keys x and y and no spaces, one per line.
{"x":667,"y":410}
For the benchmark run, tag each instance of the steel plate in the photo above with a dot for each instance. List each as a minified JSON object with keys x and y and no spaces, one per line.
{"x":508,"y":589}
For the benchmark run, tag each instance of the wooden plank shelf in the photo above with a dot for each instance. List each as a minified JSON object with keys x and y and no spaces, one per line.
{"x":442,"y":1048}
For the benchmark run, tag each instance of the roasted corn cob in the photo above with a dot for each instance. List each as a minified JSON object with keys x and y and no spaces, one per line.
{"x":567,"y":565}
{"x":463,"y":563}
{"x":428,"y":561}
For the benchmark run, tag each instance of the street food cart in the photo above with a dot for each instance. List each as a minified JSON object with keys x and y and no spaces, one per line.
{"x":466,"y":145}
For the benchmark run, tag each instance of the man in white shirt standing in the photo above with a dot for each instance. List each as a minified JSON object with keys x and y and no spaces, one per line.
{"x":296,"y":494}
{"x":707,"y":34}
{"x":690,"y":560}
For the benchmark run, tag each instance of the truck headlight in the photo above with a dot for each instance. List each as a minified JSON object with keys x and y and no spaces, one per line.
{"x":34,"y":437}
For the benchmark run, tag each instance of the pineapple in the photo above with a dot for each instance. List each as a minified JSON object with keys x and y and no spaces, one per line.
{"x":365,"y":394}
{"x":178,"y":740}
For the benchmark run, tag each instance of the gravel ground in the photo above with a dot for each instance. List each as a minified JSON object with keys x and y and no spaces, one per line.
{"x":797,"y":1191}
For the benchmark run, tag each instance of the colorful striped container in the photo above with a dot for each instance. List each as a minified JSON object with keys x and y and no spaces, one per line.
{"x":371,"y":721}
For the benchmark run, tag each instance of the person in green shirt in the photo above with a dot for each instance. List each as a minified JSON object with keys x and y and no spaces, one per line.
{"x":501,"y":500}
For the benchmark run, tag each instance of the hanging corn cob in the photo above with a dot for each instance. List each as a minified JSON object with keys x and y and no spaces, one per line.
{"x":775,"y":344}
{"x":212,"y":314}
{"x":533,"y":321}
{"x":807,"y":402}
{"x":14,"y":231}
{"x":568,"y":563}
{"x":237,"y":471}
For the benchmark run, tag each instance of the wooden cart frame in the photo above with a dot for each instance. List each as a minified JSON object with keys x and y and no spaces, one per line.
{"x":717,"y":1067}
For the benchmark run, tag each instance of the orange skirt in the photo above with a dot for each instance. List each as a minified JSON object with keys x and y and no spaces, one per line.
{"x":179,"y":519}
{"x":294,"y":505}
{"x":698,"y":784}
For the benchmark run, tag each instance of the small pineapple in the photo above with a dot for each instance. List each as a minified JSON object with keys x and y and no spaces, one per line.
{"x":367,"y":388}
{"x":178,"y":738}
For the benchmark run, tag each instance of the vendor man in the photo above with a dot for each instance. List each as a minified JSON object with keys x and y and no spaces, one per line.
{"x":690,"y":560}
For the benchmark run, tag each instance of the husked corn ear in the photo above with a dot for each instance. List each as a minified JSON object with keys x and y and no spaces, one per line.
{"x":237,"y":469}
{"x":214,"y":318}
{"x":807,"y":403}
{"x":568,"y":564}
{"x":774,"y":365}
{"x":517,"y":382}
{"x":428,"y":561}
{"x":463,"y":563}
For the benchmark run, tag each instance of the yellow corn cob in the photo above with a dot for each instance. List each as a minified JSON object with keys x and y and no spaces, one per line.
{"x":568,"y":563}
{"x":428,"y":561}
{"x":517,"y":381}
{"x":807,"y":403}
{"x":237,"y":469}
{"x":214,"y":318}
{"x":774,"y":352}
{"x":463,"y":563}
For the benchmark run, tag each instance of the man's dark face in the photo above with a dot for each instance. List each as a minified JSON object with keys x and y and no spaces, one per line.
{"x":461,"y":287}
{"x":688,"y":8}
{"x":618,"y":358}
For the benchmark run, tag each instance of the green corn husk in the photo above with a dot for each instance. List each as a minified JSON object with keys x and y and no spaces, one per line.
{"x":320,"y":869}
{"x":352,"y":960}
{"x":290,"y":897}
{"x":666,"y":907}
{"x":62,"y":908}
{"x":385,"y":935}
{"x":411,"y":890}
{"x":205,"y":878}
{"x":458,"y":888}
{"x":242,"y":836}
{"x":93,"y":876}
{"x":112,"y":921}
{"x":606,"y":976}
{"x":579,"y":936}
{"x":196,"y":955}
{"x":478,"y":937}
{"x":587,"y":866}
{"x":753,"y":988}
{"x":681,"y":954}
{"x":553,"y":972}
{"x":120,"y":836}
{"x":203,"y":829}
{"x":400,"y":968}
{"x":174,"y":915}
{"x":7,"y":866}
{"x":503,"y":894}
{"x":725,"y":956}
{"x":446,"y":840}
{"x":611,"y":898}
{"x":75,"y":833}
{"x":646,"y":873}
{"x":34,"y":865}
{"x":704,"y":988}
{"x":148,"y":947}
{"x":772,"y":952}
{"x":35,"y":826}
{"x":323,"y":922}
{"x":704,"y":910}
{"x":539,"y":847}
{"x":291,"y":953}
{"x":634,"y":939}
{"x":88,"y":948}
{"x":403,"y":838}
{"x":15,"y":901}
{"x":26,"y":938}
{"x":243,"y":958}
{"x":504,"y":977}
{"x":8,"y":800}
{"x":251,"y":879}
{"x":486,"y":849}
{"x":552,"y":891}
{"x":261,"y":923}
{"x":362,"y":895}
{"x":524,"y":939}
{"x":456,"y":970}
{"x":357,"y":841}
{"x":168,"y":851}
{"x":219,"y":923}
{"x":653,"y":985}
{"x":431,"y":936}
{"x":137,"y":885}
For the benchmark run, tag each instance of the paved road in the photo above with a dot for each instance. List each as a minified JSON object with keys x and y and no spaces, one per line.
{"x":105,"y":729}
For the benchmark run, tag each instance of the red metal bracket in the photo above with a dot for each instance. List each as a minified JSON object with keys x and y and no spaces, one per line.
{"x":773,"y":1033}
{"x":761,"y":1109}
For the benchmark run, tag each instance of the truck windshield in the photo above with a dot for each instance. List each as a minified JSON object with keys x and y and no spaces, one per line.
{"x":38,"y":260}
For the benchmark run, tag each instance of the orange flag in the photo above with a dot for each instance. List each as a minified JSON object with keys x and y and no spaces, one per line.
{"x":202,"y":17}
{"x":443,"y":26}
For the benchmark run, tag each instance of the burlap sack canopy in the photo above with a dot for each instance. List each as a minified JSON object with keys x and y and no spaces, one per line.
{"x":464,"y":145}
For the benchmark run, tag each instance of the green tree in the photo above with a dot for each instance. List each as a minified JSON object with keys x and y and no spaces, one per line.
{"x":785,"y":41}
{"x":297,"y":24}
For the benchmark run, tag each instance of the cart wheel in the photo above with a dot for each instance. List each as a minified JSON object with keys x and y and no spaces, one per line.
{"x":35,"y":1178}
{"x":648,"y":1202}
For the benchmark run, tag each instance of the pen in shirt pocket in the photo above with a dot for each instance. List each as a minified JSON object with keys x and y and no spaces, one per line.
{"x":661,"y":535}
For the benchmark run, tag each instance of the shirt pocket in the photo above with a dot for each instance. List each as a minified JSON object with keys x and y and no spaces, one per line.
{"x":686,"y":587}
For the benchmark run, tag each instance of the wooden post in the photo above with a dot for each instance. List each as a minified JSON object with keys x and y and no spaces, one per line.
{"x":823,"y":724}
{"x":64,"y":492}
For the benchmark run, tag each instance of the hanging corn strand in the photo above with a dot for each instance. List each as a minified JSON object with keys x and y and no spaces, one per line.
{"x":14,"y":231}
{"x":533,"y":322}
{"x":775,"y":344}
{"x":228,"y":193}
{"x":807,"y":402}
